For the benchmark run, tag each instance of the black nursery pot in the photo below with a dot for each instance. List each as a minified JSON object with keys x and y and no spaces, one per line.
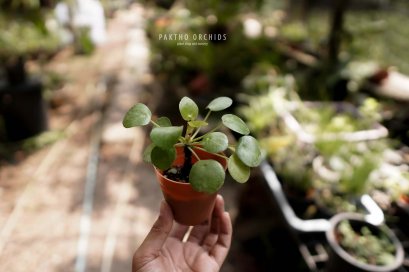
{"x":23,"y":109}
{"x":166,"y":4}
{"x":341,"y":261}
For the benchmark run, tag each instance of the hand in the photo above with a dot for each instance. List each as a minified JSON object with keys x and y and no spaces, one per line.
{"x":204,"y":250}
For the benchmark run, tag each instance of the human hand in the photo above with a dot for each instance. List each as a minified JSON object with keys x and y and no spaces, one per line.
{"x":204,"y":250}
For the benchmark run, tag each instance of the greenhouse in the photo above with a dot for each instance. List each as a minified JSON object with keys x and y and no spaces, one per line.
{"x":181,"y":135}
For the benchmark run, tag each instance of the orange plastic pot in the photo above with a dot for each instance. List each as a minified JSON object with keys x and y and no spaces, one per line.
{"x":189,"y":206}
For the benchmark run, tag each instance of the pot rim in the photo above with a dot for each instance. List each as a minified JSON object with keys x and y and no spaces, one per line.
{"x":186,"y":183}
{"x":332,"y":241}
{"x":171,"y":180}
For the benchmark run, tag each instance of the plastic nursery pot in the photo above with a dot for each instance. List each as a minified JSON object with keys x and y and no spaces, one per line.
{"x":23,"y":109}
{"x":189,"y":206}
{"x":341,"y":261}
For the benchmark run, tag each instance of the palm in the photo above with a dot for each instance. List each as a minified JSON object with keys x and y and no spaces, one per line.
{"x":178,"y":256}
{"x":205,"y":249}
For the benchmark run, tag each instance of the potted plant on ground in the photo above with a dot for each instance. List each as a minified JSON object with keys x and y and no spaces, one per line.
{"x":25,"y":36}
{"x":357,"y":245}
{"x":191,"y":168}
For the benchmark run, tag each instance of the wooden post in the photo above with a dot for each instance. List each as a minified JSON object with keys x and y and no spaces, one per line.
{"x":337,"y":29}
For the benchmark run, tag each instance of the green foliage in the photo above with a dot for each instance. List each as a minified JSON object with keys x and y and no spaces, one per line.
{"x":166,"y":137}
{"x":365,"y":246}
{"x":197,"y":123}
{"x":138,"y":115}
{"x":215,"y":142}
{"x":24,"y":34}
{"x":293,"y":163}
{"x":218,"y":63}
{"x":248,"y":151}
{"x":352,"y":163}
{"x":162,"y":157}
{"x":164,"y":122}
{"x":235,"y":123}
{"x":188,"y":109}
{"x":220,"y":104}
{"x":239,"y":171}
{"x":205,"y":175}
{"x":24,"y":29}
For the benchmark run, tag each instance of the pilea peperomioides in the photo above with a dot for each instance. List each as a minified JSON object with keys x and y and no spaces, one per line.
{"x":204,"y":175}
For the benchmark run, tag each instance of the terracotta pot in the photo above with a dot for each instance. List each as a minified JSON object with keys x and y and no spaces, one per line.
{"x":189,"y":206}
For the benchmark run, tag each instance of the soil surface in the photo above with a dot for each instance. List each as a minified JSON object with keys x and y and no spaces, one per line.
{"x":175,"y":173}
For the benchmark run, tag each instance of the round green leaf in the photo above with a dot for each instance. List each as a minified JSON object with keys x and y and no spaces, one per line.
{"x":220,"y":103}
{"x":138,"y":115}
{"x":188,"y":109}
{"x":235,"y":123}
{"x":215,"y":142}
{"x":197,"y":123}
{"x":207,"y":176}
{"x":237,"y":169}
{"x":164,"y":122}
{"x":163,"y":158}
{"x":147,"y":153}
{"x":166,"y":137}
{"x":248,"y":151}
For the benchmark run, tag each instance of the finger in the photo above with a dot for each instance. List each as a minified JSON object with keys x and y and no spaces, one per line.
{"x":221,"y":248}
{"x":198,"y":232}
{"x":159,"y":232}
{"x":179,"y":231}
{"x":212,"y":237}
{"x":219,"y":206}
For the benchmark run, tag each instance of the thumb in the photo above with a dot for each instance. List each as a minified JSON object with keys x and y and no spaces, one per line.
{"x":156,"y":237}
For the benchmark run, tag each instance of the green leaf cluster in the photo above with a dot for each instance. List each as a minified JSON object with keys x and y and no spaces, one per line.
{"x":206,"y":175}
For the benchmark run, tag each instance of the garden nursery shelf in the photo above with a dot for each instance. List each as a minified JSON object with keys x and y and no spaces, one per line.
{"x":310,"y":234}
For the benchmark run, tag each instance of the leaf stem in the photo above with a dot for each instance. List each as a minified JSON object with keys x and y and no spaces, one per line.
{"x":216,"y":154}
{"x":194,"y":153}
{"x":198,"y":129}
{"x":214,"y":129}
{"x":155,"y":124}
{"x":189,"y":130}
{"x":207,"y":115}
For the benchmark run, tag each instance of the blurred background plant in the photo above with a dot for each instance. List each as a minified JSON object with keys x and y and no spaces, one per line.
{"x":26,"y":34}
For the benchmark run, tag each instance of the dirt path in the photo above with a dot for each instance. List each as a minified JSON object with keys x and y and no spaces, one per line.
{"x":86,"y":202}
{"x":42,"y":197}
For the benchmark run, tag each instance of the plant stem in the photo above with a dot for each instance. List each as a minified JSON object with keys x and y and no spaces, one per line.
{"x":194,"y":153}
{"x":216,"y":154}
{"x":155,"y":124}
{"x":232,"y":148}
{"x":207,"y":115}
{"x":187,"y":165}
{"x":198,"y":129}
{"x":188,"y":133}
{"x":214,"y":129}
